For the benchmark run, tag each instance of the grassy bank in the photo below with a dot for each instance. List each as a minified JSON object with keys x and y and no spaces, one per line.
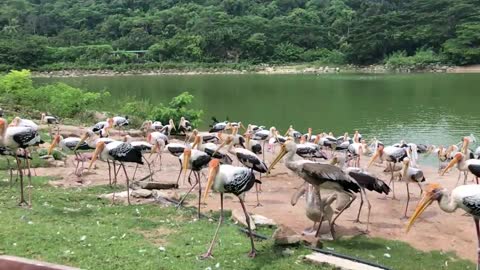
{"x":76,"y":228}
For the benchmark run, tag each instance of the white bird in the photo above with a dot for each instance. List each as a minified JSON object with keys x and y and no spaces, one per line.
{"x":390,"y":154}
{"x":167,"y":129}
{"x":321,"y":176}
{"x":410,"y":175}
{"x":20,"y":137}
{"x":184,"y":126}
{"x":211,"y":149}
{"x":117,"y":151}
{"x":464,"y":165}
{"x":230,"y":179}
{"x":101,"y":128}
{"x":49,"y":119}
{"x":466,"y":197}
{"x":19,"y":122}
{"x":220,"y":126}
{"x":70,"y":144}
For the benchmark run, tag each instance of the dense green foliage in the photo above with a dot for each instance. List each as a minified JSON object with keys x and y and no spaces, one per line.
{"x":17,"y":92}
{"x":53,"y":33}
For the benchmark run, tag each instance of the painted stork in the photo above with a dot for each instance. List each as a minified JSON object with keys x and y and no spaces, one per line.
{"x":19,"y":122}
{"x":219,"y":127}
{"x":20,"y":137}
{"x":167,"y":129}
{"x":120,"y":122}
{"x":252,"y":145}
{"x":184,"y":126}
{"x":101,"y":128}
{"x":211,"y":149}
{"x":466,"y":197}
{"x":365,"y":180}
{"x":117,"y":151}
{"x":159,"y":141}
{"x":317,"y":209}
{"x":69,"y":144}
{"x":410,"y":175}
{"x":206,"y":138}
{"x":49,"y":119}
{"x":321,"y":176}
{"x":254,"y":128}
{"x":143,"y":147}
{"x":247,"y":158}
{"x":464,"y":165}
{"x":390,"y":154}
{"x":309,"y":150}
{"x":196,"y":160}
{"x":234,"y":180}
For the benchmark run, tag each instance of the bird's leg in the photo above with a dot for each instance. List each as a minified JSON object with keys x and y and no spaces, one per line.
{"x":149,"y":168}
{"x":197,"y":176}
{"x":134,"y":172}
{"x":29,"y":175}
{"x":20,"y":172}
{"x":128,"y":184}
{"x":114,"y":173}
{"x":11,"y":172}
{"x":360,"y":208}
{"x":189,"y":179}
{"x":260,"y":185}
{"x":109,"y":173}
{"x":179,"y":174}
{"x":263,"y":152}
{"x":185,"y":196}
{"x":352,"y":198}
{"x":465,"y":174}
{"x":477,"y":227}
{"x":476,"y":179}
{"x":256,"y":191}
{"x":220,"y":221}
{"x":369,"y":208}
{"x":252,"y":252}
{"x":408,"y":200}
{"x":420,"y":187}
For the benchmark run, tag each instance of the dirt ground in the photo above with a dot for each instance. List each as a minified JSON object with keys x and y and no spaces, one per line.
{"x":434,"y":230}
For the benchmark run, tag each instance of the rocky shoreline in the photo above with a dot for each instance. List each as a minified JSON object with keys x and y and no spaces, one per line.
{"x":260,"y":69}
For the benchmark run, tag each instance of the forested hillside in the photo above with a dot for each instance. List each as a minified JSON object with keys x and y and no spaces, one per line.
{"x":39,"y":33}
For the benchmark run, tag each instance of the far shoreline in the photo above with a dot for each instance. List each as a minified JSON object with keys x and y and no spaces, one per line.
{"x":260,"y":69}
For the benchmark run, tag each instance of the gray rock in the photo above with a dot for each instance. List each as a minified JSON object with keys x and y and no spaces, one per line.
{"x":239,"y":216}
{"x":284,"y":235}
{"x":109,"y":196}
{"x":263,"y":221}
{"x":165,"y":194}
{"x":157,"y":185}
{"x":142,"y":193}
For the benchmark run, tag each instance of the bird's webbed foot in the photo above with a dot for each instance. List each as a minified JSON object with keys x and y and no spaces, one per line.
{"x":252,"y":253}
{"x":357,"y":221}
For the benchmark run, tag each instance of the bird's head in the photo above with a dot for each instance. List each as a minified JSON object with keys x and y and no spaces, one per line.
{"x":456,"y":158}
{"x":197,"y":141}
{"x":55,"y":142}
{"x":432,"y":192}
{"x":406,"y":161}
{"x":288,"y":146}
{"x":172,"y":124}
{"x":466,"y":142}
{"x":98,"y":149}
{"x":213,"y":168}
{"x":43,"y":117}
{"x":377,"y":154}
{"x":110,"y":122}
{"x":15,"y":122}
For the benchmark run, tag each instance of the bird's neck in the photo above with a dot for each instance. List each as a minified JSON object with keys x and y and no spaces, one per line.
{"x":447,"y":203}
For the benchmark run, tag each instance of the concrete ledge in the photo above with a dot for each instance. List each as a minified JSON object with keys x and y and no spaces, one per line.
{"x":17,"y":263}
{"x":340,"y":263}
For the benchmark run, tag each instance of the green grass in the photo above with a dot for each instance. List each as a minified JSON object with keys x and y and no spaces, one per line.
{"x":73,"y":227}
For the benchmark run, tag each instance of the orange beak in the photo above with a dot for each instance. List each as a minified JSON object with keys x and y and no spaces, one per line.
{"x":212,"y":173}
{"x":55,"y":141}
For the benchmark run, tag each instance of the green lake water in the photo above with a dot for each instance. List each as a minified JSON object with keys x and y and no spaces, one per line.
{"x":422,"y":108}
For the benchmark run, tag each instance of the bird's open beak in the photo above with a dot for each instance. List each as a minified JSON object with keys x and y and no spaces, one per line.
{"x":374,"y":157}
{"x":82,"y":139}
{"x":282,"y":153}
{"x":422,"y":205}
{"x":450,"y":165}
{"x":98,"y":150}
{"x":54,"y":143}
{"x":212,"y":173}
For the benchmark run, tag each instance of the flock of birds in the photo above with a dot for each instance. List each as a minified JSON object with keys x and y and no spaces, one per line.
{"x":330,"y":166}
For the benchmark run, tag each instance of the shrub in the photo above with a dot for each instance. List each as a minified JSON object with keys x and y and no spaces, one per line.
{"x":421,"y":60}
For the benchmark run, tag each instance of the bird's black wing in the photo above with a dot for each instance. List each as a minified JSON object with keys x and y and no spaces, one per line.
{"x":201,"y":162}
{"x":243,"y":181}
{"x":473,"y":204}
{"x":126,"y":152}
{"x":370,"y":182}
{"x":26,"y":138}
{"x":474,"y":169}
{"x":327,"y":172}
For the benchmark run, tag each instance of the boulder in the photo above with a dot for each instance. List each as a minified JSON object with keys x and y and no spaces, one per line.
{"x":157,"y":185}
{"x":284,"y":235}
{"x":239,"y":216}
{"x":109,"y":196}
{"x":141,"y":193}
{"x":165,"y":194}
{"x":263,"y":221}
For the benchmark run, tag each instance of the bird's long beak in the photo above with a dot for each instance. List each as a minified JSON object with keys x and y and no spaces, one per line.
{"x":82,"y":139}
{"x":54,"y":143}
{"x":422,"y":205}
{"x":282,"y":153}
{"x":98,"y":150}
{"x":220,"y":147}
{"x":375,"y":156}
{"x":212,"y":173}
{"x":186,"y":159}
{"x":450,"y":165}
{"x":465,"y":145}
{"x":243,"y":127}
